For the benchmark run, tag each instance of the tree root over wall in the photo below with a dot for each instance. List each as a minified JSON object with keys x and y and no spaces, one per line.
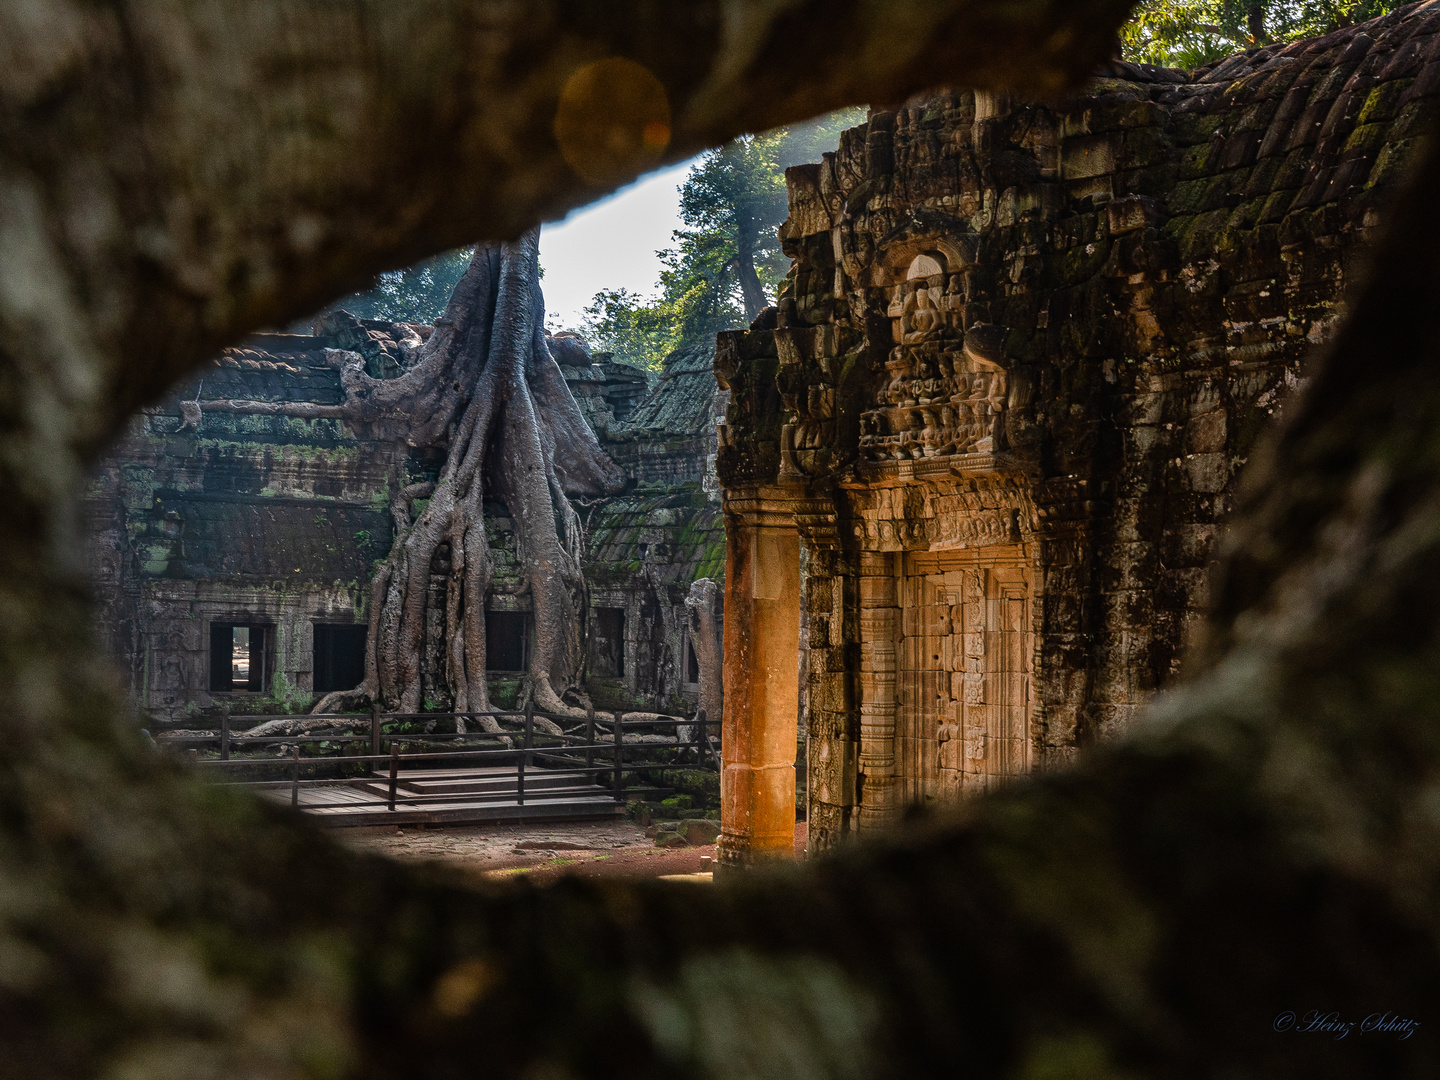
{"x":486,"y":388}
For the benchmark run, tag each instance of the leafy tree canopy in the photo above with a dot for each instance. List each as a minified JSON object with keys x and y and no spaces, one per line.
{"x":1193,"y":33}
{"x":727,"y":263}
{"x":723,"y":269}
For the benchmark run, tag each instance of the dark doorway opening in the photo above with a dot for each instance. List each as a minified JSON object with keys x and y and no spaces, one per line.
{"x":339,"y":657}
{"x":607,"y":643}
{"x":692,"y":664}
{"x":507,"y":640}
{"x":239,"y":657}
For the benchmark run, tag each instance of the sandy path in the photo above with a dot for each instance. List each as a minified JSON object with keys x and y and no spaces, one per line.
{"x":617,"y":849}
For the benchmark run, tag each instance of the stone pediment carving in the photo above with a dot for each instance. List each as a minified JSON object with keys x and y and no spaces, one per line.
{"x":927,"y":232}
{"x":948,"y":388}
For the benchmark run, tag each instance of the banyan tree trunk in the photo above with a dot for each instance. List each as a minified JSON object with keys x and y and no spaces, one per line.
{"x":485,"y":387}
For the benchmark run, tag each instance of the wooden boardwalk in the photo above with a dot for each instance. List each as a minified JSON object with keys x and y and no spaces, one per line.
{"x":454,"y":797}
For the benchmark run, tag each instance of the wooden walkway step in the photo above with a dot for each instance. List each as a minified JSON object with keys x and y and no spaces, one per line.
{"x":455,"y":797}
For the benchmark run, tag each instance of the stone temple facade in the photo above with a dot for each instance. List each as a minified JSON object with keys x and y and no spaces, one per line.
{"x":988,"y":437}
{"x":233,"y":551}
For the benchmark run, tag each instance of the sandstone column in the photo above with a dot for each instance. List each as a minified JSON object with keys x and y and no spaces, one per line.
{"x":762,"y":687}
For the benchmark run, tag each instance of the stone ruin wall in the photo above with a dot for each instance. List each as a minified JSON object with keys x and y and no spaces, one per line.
{"x":202,"y":516}
{"x":1022,"y":354}
{"x":649,"y":544}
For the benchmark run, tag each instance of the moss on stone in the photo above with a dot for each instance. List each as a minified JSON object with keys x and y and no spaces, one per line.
{"x":1382,"y":103}
{"x":1192,"y":126}
{"x":1367,"y":138}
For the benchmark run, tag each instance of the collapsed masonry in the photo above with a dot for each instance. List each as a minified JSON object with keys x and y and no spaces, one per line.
{"x":233,"y":551}
{"x":1022,"y":354}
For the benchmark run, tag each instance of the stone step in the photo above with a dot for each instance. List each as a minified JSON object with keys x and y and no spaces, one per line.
{"x":491,"y":780}
{"x":501,"y":794}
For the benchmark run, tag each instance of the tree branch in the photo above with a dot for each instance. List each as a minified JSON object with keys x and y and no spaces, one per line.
{"x":1269,"y":842}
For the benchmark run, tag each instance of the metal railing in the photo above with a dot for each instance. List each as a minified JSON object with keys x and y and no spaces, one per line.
{"x":536,"y":754}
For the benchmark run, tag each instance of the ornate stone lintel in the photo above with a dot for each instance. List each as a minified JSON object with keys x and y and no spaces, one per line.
{"x":873,"y":474}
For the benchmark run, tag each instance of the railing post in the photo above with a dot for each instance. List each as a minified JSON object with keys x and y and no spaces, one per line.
{"x":394,"y":770}
{"x":525,"y":752}
{"x":697,"y":735}
{"x":375,"y":729}
{"x":589,"y":737}
{"x":619,"y":716}
{"x":225,"y":737}
{"x":295,"y":776}
{"x":719,"y":765}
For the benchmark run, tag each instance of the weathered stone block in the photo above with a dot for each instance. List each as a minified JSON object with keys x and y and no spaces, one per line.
{"x":1206,"y":433}
{"x":1086,"y":156}
{"x":877,"y":689}
{"x":1187,"y":545}
{"x":876,"y":592}
{"x":878,"y":660}
{"x":1131,"y":212}
{"x":1206,"y":472}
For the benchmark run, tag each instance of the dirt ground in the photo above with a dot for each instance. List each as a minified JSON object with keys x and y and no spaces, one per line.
{"x":544,"y":852}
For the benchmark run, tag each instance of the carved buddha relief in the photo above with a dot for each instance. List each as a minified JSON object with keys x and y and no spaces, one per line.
{"x":947,"y":387}
{"x":916,"y":303}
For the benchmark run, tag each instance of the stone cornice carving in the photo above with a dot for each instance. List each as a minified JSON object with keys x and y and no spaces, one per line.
{"x":928,"y":470}
{"x":775,"y":505}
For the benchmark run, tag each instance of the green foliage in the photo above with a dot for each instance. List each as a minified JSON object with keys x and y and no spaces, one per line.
{"x":1193,"y":33}
{"x":416,"y":294}
{"x":288,"y":698}
{"x":637,"y":330}
{"x":726,"y":265}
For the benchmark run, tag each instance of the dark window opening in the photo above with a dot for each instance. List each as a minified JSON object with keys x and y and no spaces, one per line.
{"x":507,"y":640}
{"x":239,"y":657}
{"x":607,"y":643}
{"x":692,"y":664}
{"x":339,"y":657}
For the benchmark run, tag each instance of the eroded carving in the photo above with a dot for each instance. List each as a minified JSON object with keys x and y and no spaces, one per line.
{"x":947,"y":389}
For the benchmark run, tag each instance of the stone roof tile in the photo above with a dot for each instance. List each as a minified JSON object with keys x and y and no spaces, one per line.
{"x":681,"y":403}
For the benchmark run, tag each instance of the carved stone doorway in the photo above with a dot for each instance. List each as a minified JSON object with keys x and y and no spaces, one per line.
{"x":964,"y":688}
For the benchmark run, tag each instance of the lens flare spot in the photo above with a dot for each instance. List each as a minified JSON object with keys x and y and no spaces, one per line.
{"x":612,"y":121}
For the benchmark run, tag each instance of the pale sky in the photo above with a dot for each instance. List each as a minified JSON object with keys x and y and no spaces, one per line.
{"x":610,"y":244}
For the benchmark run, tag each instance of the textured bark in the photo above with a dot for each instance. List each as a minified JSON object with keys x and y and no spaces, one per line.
{"x":750,"y":288}
{"x":666,"y":640}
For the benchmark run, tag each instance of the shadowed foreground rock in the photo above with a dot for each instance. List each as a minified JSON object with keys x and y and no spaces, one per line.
{"x":1268,"y":843}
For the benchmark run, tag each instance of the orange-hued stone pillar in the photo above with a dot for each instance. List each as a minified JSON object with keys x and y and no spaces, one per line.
{"x":762,"y":689}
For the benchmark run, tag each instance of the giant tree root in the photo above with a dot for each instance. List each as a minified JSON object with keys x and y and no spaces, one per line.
{"x":485,"y":387}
